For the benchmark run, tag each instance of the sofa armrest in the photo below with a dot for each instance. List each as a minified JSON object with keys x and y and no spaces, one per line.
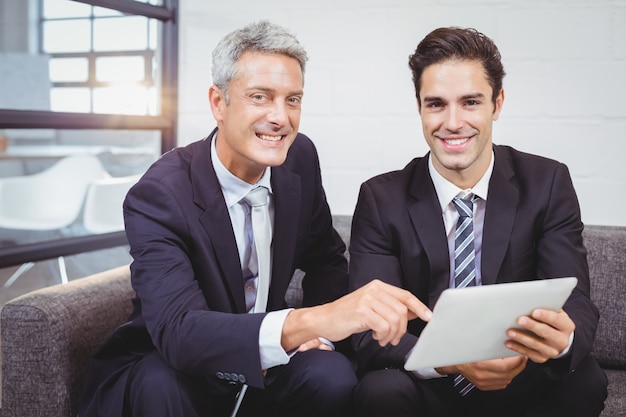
{"x":48,"y":337}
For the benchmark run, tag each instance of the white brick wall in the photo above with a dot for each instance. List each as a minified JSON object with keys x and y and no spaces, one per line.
{"x":565,"y":86}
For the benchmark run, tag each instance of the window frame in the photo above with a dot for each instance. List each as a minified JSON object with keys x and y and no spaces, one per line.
{"x":166,"y":122}
{"x":91,"y":56}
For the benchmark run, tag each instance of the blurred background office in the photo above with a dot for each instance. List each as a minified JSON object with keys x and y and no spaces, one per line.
{"x":123,"y":81}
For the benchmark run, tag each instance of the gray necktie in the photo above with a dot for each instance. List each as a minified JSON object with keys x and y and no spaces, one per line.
{"x":258,"y":201}
{"x":464,"y":263}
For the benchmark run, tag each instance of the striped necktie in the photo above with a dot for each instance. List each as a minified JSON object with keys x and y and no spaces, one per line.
{"x":464,"y":263}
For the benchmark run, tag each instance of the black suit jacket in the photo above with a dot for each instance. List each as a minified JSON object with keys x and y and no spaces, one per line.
{"x":190,"y":304}
{"x":532,"y":230}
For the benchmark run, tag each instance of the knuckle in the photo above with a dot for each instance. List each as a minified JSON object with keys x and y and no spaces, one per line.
{"x":375,"y":283}
{"x":360,"y":310}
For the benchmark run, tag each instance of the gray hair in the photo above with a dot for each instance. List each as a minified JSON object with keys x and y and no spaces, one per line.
{"x":262,"y":36}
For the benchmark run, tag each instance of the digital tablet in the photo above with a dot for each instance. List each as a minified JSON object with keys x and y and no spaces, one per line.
{"x":469,"y":324}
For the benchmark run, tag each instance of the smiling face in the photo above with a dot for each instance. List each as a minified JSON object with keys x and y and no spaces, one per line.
{"x":457,"y":116}
{"x":260,"y":120}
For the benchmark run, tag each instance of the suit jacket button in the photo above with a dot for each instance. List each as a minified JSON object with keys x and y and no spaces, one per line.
{"x":242,"y":379}
{"x":219,"y":375}
{"x":234,"y":377}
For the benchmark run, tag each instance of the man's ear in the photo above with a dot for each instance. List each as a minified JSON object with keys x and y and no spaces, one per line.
{"x":498,"y":105}
{"x":217,"y":102}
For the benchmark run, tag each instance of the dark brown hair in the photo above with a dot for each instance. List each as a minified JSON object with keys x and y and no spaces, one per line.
{"x":453,"y":43}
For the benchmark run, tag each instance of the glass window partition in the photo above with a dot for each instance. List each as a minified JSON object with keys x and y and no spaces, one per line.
{"x":88,"y":87}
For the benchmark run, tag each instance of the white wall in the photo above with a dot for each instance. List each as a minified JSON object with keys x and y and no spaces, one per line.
{"x":565,"y":88}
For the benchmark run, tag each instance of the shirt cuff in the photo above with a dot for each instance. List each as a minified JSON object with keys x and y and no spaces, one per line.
{"x":270,"y":334}
{"x":327,"y":342}
{"x":566,"y":350}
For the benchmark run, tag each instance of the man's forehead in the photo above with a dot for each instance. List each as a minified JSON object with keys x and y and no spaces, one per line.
{"x":455,"y":80}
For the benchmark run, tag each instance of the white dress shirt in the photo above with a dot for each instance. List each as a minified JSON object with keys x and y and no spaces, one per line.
{"x":234,"y":189}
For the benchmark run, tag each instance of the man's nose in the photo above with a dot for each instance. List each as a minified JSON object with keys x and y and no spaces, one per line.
{"x":453,"y":121}
{"x":278,"y":114}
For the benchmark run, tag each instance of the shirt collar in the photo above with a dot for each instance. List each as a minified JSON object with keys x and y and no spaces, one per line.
{"x":234,"y":188}
{"x":446,"y":191}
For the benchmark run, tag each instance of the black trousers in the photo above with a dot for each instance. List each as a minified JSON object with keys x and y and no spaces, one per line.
{"x":313,"y":383}
{"x":392,"y":392}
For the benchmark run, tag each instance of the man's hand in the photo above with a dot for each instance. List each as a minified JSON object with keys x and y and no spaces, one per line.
{"x":377,"y":306}
{"x":491,"y":375}
{"x":314,"y":344}
{"x":382,"y":308}
{"x":543,"y":335}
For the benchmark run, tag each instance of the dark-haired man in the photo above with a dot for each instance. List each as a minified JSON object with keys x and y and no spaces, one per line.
{"x":519,"y":219}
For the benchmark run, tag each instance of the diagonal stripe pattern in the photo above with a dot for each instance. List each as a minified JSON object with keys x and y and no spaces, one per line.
{"x":464,"y":263}
{"x":464,"y":267}
{"x":462,"y":385}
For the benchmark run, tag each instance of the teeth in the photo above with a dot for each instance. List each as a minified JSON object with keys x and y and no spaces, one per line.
{"x":456,"y":141}
{"x":270,"y":138}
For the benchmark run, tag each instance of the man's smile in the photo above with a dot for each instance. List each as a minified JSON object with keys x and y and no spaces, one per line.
{"x":270,"y":137}
{"x":456,"y":140}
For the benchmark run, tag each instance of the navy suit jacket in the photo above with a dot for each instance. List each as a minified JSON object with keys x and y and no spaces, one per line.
{"x":186,"y":271}
{"x":532,"y":230}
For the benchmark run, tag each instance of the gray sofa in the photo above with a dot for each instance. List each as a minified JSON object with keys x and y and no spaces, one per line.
{"x":48,"y":336}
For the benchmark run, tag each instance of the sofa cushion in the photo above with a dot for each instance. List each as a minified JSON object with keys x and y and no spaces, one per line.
{"x":607,"y":269}
{"x":615,"y":404}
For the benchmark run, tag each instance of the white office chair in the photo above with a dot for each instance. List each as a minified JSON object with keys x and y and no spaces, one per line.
{"x":49,"y":200}
{"x":103,"y":205}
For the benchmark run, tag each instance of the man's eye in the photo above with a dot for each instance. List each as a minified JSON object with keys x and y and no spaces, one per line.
{"x":295,"y":100}
{"x":472,"y":102}
{"x":258,"y":97}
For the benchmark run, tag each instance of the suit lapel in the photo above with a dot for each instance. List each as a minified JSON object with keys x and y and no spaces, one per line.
{"x":425,"y":214}
{"x":215,"y":220}
{"x":286,"y":188}
{"x":502,"y":203}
